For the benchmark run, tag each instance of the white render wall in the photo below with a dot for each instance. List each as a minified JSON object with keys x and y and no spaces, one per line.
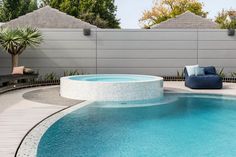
{"x":137,"y":51}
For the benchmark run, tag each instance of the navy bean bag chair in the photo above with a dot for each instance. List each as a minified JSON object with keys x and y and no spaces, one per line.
{"x":211,"y":80}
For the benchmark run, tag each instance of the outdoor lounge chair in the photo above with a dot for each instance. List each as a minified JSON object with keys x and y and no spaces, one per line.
{"x":210,"y":80}
{"x":5,"y":79}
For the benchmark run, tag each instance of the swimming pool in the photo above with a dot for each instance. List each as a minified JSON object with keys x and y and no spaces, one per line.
{"x":111,"y":87}
{"x":175,"y":125}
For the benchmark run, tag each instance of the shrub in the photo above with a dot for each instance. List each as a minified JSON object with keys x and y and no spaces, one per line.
{"x":50,"y":77}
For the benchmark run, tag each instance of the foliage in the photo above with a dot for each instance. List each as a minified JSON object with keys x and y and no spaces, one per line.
{"x":221,"y":19}
{"x":15,"y":41}
{"x":230,"y":25}
{"x":12,"y":9}
{"x":71,"y":72}
{"x":180,"y":73}
{"x":99,"y":13}
{"x":51,"y":77}
{"x":104,"y":9}
{"x":166,"y":9}
{"x":233,"y":74}
{"x":70,"y":7}
{"x":94,"y":20}
{"x":221,"y":73}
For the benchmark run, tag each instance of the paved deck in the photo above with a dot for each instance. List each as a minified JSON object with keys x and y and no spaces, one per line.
{"x":18,"y":115}
{"x":20,"y":110}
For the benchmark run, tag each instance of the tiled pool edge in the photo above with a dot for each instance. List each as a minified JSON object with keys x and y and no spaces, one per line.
{"x":28,"y":146}
{"x":135,"y":87}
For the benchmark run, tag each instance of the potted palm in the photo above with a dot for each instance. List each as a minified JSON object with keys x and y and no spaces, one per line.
{"x":15,"y":41}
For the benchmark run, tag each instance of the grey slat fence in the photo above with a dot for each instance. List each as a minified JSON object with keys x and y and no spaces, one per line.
{"x":139,"y":51}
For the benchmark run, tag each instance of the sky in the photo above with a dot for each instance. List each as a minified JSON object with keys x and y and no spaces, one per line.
{"x":130,"y":11}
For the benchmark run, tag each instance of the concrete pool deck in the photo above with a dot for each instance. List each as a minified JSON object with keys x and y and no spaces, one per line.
{"x":20,"y":110}
{"x":19,"y":114}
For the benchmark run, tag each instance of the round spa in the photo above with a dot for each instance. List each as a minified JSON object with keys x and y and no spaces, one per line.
{"x":111,"y":87}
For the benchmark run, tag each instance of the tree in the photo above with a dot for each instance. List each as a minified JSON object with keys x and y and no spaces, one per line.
{"x":221,"y":19}
{"x":166,"y":9}
{"x":70,"y":7}
{"x":230,"y":24}
{"x":105,"y":10}
{"x":15,"y":41}
{"x":99,"y":13}
{"x":12,"y":9}
{"x":94,"y":20}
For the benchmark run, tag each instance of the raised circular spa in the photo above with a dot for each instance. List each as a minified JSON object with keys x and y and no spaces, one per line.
{"x":111,"y":87}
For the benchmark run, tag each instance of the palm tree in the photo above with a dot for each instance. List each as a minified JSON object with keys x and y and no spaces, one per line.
{"x":15,"y":41}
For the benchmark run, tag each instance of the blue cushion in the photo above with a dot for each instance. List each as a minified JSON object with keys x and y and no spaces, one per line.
{"x":191,"y":69}
{"x":204,"y":82}
{"x":208,"y":81}
{"x":210,"y":70}
{"x":199,"y":71}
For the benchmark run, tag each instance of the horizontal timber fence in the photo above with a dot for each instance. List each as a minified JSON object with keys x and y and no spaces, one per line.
{"x":133,"y":51}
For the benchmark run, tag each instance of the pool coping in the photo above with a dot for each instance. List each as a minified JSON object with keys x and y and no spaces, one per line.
{"x":154,"y":78}
{"x":29,"y":143}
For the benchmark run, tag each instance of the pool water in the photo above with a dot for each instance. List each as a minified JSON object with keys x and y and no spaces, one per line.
{"x":179,"y":125}
{"x":112,"y":78}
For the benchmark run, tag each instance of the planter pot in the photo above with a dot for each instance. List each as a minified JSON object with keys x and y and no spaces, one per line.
{"x":231,"y":32}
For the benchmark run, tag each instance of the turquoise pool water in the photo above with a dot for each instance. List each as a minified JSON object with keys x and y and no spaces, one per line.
{"x":179,"y":125}
{"x":112,"y":78}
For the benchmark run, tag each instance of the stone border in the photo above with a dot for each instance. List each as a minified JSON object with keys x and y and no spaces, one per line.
{"x":29,"y":144}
